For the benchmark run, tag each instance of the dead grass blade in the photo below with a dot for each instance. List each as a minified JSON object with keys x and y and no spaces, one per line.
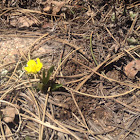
{"x":92,"y":50}
{"x":84,"y":81}
{"x":8,"y":9}
{"x":94,"y":71}
{"x":121,"y":54}
{"x":18,"y":129}
{"x":37,"y":40}
{"x":35,"y":11}
{"x":47,"y":124}
{"x":102,"y":97}
{"x":39,"y":114}
{"x":72,"y":45}
{"x":59,"y":124}
{"x":5,"y":65}
{"x":44,"y":112}
{"x":110,"y":79}
{"x":83,"y":119}
{"x":13,"y":73}
{"x":2,"y":131}
{"x":130,"y":30}
{"x":129,"y":131}
{"x":75,"y":81}
{"x":64,"y":62}
{"x":127,"y":106}
{"x":112,"y":36}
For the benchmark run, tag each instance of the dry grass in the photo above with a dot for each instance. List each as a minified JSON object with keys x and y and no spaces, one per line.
{"x":91,"y":48}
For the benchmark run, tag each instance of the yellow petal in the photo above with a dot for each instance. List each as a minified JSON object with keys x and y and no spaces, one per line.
{"x":28,"y":69}
{"x":31,"y":62}
{"x":38,"y":60}
{"x":39,"y":65}
{"x":33,"y":67}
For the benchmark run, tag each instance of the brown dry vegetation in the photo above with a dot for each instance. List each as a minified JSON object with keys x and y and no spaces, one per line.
{"x":90,"y":43}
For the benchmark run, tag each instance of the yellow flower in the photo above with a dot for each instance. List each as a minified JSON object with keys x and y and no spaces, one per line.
{"x":33,"y":67}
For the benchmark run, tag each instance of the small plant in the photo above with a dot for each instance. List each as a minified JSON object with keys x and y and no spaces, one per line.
{"x":45,"y":81}
{"x":113,"y":17}
{"x":132,"y":15}
{"x":132,"y":41}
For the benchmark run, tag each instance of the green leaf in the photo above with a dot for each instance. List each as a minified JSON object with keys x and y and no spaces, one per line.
{"x":132,"y":41}
{"x":113,"y":17}
{"x":49,"y":73}
{"x":43,"y":74}
{"x":40,"y":86}
{"x":55,"y":86}
{"x":27,"y":138}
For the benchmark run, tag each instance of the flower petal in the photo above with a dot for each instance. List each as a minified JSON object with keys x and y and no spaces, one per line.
{"x":31,"y":62}
{"x":33,"y":67}
{"x":28,"y":69}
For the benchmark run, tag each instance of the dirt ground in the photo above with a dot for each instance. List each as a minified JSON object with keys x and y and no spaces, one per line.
{"x":94,"y":46}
